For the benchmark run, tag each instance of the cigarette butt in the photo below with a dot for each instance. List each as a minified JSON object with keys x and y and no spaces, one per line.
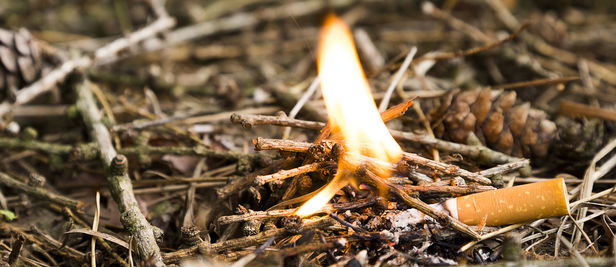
{"x":512,"y":205}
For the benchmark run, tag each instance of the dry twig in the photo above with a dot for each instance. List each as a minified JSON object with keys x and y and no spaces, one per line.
{"x":39,"y":192}
{"x":572,"y":109}
{"x":540,"y":82}
{"x":295,"y":146}
{"x":483,"y":154}
{"x":120,"y":184}
{"x":243,"y":242}
{"x":283,"y":174}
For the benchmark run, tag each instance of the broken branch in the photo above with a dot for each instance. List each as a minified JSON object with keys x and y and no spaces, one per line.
{"x":120,"y":184}
{"x":283,"y":174}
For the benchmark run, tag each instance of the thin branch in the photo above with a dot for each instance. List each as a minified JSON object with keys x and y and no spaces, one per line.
{"x":45,"y":84}
{"x":280,"y":144}
{"x":474,"y":50}
{"x":483,"y":154}
{"x":490,"y":235}
{"x":571,"y":109}
{"x":480,"y":153}
{"x":446,"y":168}
{"x":248,"y":120}
{"x":296,"y":146}
{"x":507,"y":167}
{"x":110,"y":52}
{"x":396,"y":79}
{"x":367,"y":47}
{"x":305,"y":97}
{"x":269,"y":214}
{"x":243,"y":242}
{"x":517,"y":55}
{"x":120,"y":185}
{"x":539,"y":82}
{"x":91,"y":151}
{"x":39,"y":192}
{"x":574,"y":251}
{"x":284,"y":174}
{"x":390,"y":114}
{"x":301,"y":102}
{"x":446,"y":190}
{"x":430,"y":9}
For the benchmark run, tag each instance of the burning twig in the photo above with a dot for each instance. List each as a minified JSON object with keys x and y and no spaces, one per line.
{"x":389,"y":114}
{"x":238,"y":184}
{"x":483,"y":154}
{"x":283,"y":174}
{"x":296,"y":146}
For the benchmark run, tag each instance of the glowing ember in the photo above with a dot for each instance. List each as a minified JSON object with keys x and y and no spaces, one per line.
{"x":351,"y":110}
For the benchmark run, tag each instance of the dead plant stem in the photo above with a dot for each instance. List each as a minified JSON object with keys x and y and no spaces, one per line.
{"x":120,"y":185}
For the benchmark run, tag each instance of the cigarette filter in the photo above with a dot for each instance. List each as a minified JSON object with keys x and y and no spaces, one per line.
{"x":512,"y":205}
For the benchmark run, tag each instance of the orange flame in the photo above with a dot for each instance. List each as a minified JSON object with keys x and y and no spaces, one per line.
{"x":351,"y":110}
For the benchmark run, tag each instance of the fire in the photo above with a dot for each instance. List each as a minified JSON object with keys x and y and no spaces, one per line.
{"x":351,"y":110}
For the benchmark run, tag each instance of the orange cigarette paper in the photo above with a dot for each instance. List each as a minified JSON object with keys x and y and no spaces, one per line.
{"x":513,"y":205}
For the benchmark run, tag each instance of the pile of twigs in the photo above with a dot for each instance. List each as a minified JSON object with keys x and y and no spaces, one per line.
{"x":160,"y":176}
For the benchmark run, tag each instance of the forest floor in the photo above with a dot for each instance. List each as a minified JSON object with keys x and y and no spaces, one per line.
{"x":159,"y":132}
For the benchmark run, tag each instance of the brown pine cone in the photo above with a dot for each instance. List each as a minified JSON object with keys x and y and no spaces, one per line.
{"x":492,"y":118}
{"x":20,"y":61}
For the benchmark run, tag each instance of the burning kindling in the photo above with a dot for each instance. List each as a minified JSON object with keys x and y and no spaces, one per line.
{"x":351,"y":109}
{"x":358,"y":145}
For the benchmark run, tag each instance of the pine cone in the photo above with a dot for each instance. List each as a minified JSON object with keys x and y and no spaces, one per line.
{"x":20,"y":61}
{"x":493,"y":119}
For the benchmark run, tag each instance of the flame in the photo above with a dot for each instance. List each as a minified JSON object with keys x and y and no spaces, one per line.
{"x":351,"y":110}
